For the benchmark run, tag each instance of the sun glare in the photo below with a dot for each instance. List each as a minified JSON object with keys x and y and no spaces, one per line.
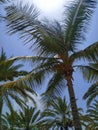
{"x":48,"y":5}
{"x":49,"y":8}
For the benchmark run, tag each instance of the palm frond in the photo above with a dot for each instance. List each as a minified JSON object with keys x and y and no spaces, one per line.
{"x":76,"y":22}
{"x":15,"y":86}
{"x":35,"y":116}
{"x":92,"y":112}
{"x":23,"y":19}
{"x":3,"y":55}
{"x":19,"y":93}
{"x":91,"y":93}
{"x":52,"y":39}
{"x":36,"y":60}
{"x":4,"y":1}
{"x":42,"y":66}
{"x":16,"y":97}
{"x":90,"y":53}
{"x":54,"y":87}
{"x":8,"y":103}
{"x":89,"y":73}
{"x":9,"y":69}
{"x":94,"y":65}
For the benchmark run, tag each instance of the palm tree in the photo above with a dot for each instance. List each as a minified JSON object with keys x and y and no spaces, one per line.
{"x":57,"y":46}
{"x":58,"y":115}
{"x":27,"y":119}
{"x":90,"y":120}
{"x":8,"y":88}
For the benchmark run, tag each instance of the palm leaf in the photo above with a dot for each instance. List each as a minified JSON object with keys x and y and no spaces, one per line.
{"x":8,"y":68}
{"x":93,"y":114}
{"x":37,"y":60}
{"x":8,"y":102}
{"x":34,"y":30}
{"x":23,"y":19}
{"x":54,"y":87}
{"x":4,"y":1}
{"x":17,"y":98}
{"x":52,"y":39}
{"x":90,"y":53}
{"x":19,"y":93}
{"x":78,"y":17}
{"x":35,"y":117}
{"x":91,"y":93}
{"x":94,"y":65}
{"x":89,"y":73}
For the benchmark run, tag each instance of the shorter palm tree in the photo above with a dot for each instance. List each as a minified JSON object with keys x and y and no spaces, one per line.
{"x":27,"y":119}
{"x":90,"y":119}
{"x":9,"y":87}
{"x":58,"y":116}
{"x":93,"y":113}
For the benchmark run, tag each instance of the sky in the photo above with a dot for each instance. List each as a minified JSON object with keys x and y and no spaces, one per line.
{"x":15,"y":47}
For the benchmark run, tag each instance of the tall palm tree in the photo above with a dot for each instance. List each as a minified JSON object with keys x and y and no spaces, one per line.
{"x":57,"y":46}
{"x":58,"y":116}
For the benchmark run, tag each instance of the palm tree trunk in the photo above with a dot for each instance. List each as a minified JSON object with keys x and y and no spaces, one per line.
{"x":76,"y":119}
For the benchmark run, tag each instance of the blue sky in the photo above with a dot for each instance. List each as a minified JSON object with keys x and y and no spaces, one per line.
{"x":15,"y":47}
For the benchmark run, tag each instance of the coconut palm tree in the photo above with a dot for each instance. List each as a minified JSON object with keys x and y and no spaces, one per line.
{"x":58,"y":115}
{"x":57,"y":46}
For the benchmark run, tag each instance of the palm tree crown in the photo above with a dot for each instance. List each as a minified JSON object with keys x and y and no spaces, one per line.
{"x":26,"y":119}
{"x":58,"y":115}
